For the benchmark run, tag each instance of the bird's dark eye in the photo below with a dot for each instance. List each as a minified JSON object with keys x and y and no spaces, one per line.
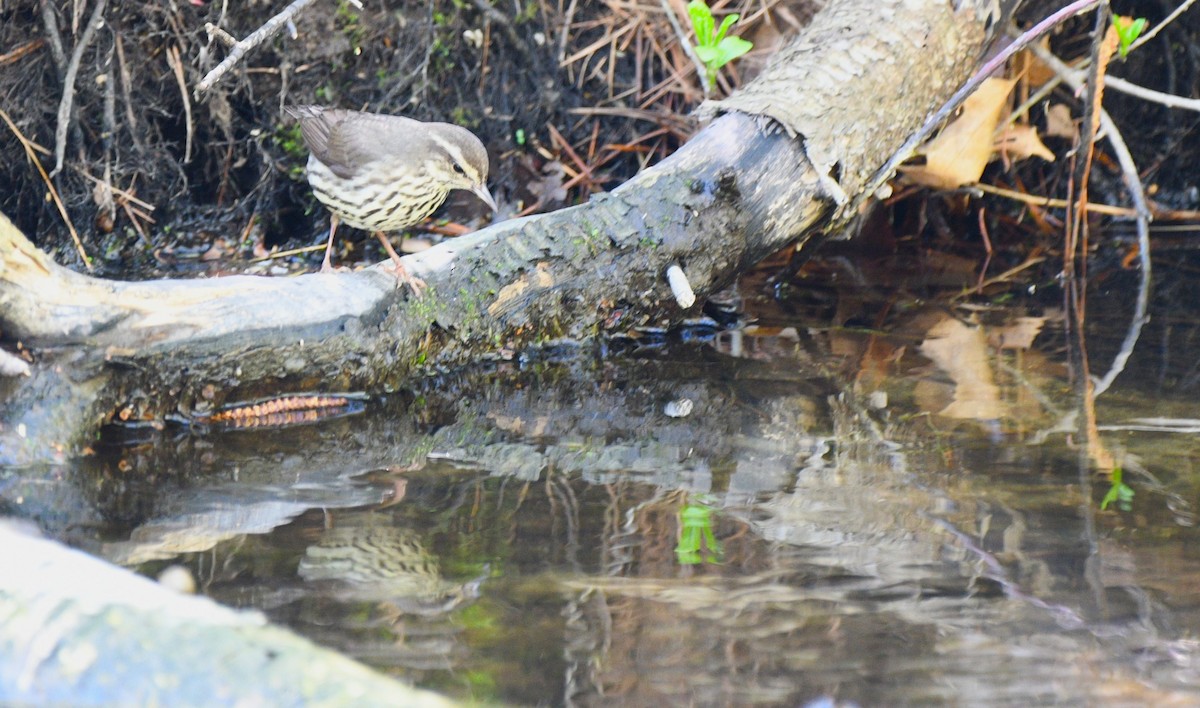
{"x":458,"y":169}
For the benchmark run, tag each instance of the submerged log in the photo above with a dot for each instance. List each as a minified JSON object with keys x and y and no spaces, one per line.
{"x":788,"y":160}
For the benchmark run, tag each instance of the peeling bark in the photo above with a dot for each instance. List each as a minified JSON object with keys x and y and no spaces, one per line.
{"x":846,"y":93}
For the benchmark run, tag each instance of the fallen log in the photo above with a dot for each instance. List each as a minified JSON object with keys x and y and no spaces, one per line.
{"x":786,"y":160}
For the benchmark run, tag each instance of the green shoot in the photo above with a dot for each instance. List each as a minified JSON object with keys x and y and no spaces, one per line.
{"x":1128,"y":30}
{"x":713,"y":47}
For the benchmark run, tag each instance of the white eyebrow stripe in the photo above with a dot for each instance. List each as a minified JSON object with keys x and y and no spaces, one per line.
{"x":450,"y":148}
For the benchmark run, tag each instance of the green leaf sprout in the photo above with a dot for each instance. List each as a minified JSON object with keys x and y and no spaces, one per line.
{"x":714,"y":48}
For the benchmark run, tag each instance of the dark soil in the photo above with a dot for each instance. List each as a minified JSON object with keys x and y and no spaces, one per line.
{"x":569,"y":98}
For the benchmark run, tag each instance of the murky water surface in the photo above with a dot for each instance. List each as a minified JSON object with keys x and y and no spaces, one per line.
{"x":802,"y":512}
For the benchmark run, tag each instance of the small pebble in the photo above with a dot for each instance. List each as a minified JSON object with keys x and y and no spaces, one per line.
{"x":179,"y":579}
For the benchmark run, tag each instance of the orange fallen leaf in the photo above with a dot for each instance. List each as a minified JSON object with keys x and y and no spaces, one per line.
{"x":959,"y":153}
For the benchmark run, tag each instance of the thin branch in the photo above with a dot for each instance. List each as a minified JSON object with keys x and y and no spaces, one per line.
{"x":22,"y":51}
{"x":50,"y":25}
{"x":1169,"y":100}
{"x":127,"y":93}
{"x":1183,"y":6}
{"x":68,"y":96}
{"x":1133,"y":183}
{"x":568,"y":18}
{"x":1051,"y":202}
{"x":269,"y":29}
{"x":176,"y":65}
{"x":1076,"y":224}
{"x":31,"y":149}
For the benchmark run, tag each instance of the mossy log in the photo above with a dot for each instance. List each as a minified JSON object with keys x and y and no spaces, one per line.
{"x":786,"y":160}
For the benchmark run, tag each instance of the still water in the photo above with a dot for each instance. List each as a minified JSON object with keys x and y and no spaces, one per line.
{"x":818,"y":509}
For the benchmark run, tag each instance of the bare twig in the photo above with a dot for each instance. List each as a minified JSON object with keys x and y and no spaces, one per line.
{"x":50,"y":25}
{"x":176,"y":65}
{"x":1077,"y":233}
{"x":68,"y":96}
{"x":1134,"y":185}
{"x":1183,"y":6}
{"x":568,"y":18}
{"x":22,"y":51}
{"x":1169,"y":100}
{"x":214,"y":31}
{"x":125,"y":195}
{"x":127,"y":93}
{"x":1136,"y":194}
{"x":269,"y":29}
{"x":31,"y":150}
{"x":1051,"y":202}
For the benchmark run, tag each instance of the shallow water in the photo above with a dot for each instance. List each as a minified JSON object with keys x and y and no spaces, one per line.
{"x":802,"y":512}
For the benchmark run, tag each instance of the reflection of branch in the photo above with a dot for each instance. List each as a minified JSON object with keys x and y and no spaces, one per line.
{"x":68,"y":95}
{"x":997,"y":573}
{"x":1134,"y":184}
{"x":269,"y":29}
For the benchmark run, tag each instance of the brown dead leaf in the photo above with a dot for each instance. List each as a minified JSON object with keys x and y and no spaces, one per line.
{"x":1059,"y":123}
{"x":1020,"y":142}
{"x":1034,"y":70}
{"x":549,"y":189}
{"x":218,"y":250}
{"x":958,"y":155}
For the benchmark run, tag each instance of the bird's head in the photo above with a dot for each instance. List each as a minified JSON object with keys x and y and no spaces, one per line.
{"x":459,"y":161}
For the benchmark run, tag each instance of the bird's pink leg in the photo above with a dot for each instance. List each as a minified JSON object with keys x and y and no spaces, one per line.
{"x":402,"y":274}
{"x":333,"y":224}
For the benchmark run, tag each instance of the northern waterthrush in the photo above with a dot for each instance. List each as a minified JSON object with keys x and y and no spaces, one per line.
{"x":382,"y":173}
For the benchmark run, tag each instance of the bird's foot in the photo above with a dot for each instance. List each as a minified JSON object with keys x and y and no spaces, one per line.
{"x":403,"y":277}
{"x":327,"y":268}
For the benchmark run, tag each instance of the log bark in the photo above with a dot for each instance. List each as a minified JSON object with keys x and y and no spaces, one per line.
{"x":785,"y":161}
{"x":78,"y":631}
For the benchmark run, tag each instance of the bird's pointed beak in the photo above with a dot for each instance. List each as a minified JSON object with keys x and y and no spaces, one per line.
{"x":481,"y":191}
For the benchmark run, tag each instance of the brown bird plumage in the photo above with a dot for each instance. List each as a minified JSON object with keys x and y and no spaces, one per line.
{"x":382,"y":173}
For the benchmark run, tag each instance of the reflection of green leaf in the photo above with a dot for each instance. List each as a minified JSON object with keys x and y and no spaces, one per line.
{"x":480,"y":621}
{"x":1119,"y":493}
{"x":482,"y":683}
{"x":695,"y":533}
